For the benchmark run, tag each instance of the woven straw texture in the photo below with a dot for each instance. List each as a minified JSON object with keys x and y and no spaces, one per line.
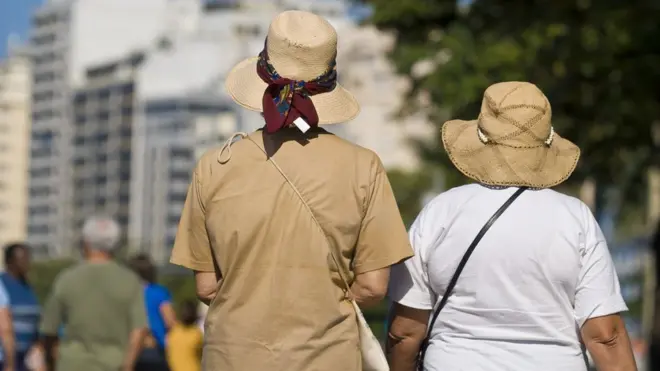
{"x":301,"y":46}
{"x":513,"y":150}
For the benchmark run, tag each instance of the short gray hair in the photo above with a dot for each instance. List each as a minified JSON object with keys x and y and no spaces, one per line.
{"x":101,"y":233}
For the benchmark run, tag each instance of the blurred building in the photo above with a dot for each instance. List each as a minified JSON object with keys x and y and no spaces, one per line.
{"x":103,"y":124}
{"x":67,"y":37}
{"x":14,"y":144}
{"x":366,"y":71}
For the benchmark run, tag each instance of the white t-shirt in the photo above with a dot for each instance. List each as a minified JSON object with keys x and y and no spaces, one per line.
{"x":537,"y":275}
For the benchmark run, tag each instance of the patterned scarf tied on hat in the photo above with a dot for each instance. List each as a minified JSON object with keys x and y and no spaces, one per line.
{"x":285,"y":100}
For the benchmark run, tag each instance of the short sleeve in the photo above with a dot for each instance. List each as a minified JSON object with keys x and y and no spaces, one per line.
{"x":138,"y":311}
{"x":53,"y":312}
{"x":192,"y":248}
{"x":598,"y":292}
{"x":409,"y":281}
{"x":163,"y":296}
{"x":4,"y":297}
{"x":383,"y":239}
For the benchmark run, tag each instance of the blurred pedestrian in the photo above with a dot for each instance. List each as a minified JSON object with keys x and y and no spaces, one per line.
{"x":654,"y":344}
{"x":7,"y":337}
{"x":286,"y":226}
{"x":185,"y":341}
{"x":160,"y":314}
{"x":23,"y":303}
{"x":540,"y":285}
{"x":100,"y":303}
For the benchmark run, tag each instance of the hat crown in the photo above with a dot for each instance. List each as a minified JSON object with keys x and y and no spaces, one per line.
{"x":301,"y":45}
{"x":516,"y":114}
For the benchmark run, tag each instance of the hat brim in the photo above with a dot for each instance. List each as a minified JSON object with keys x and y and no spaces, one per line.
{"x":500,"y":165}
{"x":247,"y":89}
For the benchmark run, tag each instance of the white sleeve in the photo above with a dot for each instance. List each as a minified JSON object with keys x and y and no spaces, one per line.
{"x":4,"y":297}
{"x":409,"y":282}
{"x":598,"y":292}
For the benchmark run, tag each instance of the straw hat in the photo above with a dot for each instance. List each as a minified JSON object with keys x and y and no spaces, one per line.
{"x":301,"y":46}
{"x":512,"y":143}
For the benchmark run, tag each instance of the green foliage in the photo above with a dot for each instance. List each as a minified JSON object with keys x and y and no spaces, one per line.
{"x":43,"y":274}
{"x":595,"y":60}
{"x":409,"y":189}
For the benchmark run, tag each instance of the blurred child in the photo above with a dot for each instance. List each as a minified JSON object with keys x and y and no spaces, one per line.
{"x":185,"y":340}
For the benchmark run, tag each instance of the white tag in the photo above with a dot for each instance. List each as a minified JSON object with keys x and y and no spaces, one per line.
{"x":301,"y":124}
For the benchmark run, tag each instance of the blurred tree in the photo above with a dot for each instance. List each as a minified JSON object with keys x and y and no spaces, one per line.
{"x":43,"y":274}
{"x":409,"y":189}
{"x":595,"y":60}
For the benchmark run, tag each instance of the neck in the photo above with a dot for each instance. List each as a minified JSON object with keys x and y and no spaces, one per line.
{"x":94,"y":256}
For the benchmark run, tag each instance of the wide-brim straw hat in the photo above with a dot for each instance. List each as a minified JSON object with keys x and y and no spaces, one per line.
{"x":301,"y":46}
{"x":512,"y":143}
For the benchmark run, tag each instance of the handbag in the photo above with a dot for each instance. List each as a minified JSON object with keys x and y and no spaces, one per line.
{"x":457,"y":273}
{"x":373,"y":357}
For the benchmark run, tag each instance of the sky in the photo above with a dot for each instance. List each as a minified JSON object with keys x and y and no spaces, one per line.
{"x":15,"y":18}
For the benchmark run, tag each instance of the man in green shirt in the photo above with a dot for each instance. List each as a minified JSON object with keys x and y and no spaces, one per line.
{"x":101,"y":306}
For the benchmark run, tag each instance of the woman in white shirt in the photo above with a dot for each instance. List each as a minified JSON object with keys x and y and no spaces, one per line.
{"x":540,"y":285}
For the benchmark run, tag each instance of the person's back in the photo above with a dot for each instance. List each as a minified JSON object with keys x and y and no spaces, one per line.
{"x":277,"y":296}
{"x":97,"y":302}
{"x":279,"y":213}
{"x":528,"y":284}
{"x":534,"y":280}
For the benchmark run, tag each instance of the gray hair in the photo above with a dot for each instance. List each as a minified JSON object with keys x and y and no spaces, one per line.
{"x":101,"y":233}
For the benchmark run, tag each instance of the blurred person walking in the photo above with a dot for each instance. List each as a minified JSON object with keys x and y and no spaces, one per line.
{"x":101,"y":305}
{"x":540,"y":285}
{"x":160,"y":314}
{"x":287,"y":226}
{"x":185,"y":341}
{"x":23,"y":304}
{"x":654,"y":344}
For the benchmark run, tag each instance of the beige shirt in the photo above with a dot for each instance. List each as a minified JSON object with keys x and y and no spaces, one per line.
{"x":279,"y":306}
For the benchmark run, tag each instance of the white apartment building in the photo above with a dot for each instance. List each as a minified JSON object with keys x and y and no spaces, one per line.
{"x":103,"y":123}
{"x":67,"y":37}
{"x":15,"y":99}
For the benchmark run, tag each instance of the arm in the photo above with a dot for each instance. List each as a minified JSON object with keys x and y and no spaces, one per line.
{"x":598,"y":303}
{"x":192,"y":247}
{"x":206,"y":284}
{"x":606,"y":339}
{"x":51,"y":319}
{"x":36,"y":357}
{"x":138,"y":321}
{"x":135,"y":341}
{"x":50,"y":344}
{"x":413,"y":302}
{"x":369,"y":288}
{"x":169,"y":314}
{"x":382,"y":241}
{"x":405,"y":336}
{"x":7,"y":338}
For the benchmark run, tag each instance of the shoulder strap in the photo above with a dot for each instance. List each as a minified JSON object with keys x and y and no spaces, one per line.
{"x":459,"y":269}
{"x":336,"y":260}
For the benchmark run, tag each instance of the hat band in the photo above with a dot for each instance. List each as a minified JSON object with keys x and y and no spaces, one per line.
{"x":485,"y":140}
{"x":286,"y":100}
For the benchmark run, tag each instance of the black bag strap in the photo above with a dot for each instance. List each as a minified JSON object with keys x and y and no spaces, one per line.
{"x":459,"y":269}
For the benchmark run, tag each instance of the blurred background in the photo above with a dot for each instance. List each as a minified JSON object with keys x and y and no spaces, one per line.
{"x":105,"y":106}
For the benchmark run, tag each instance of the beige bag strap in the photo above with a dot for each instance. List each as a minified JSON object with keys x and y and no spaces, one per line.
{"x":295,"y":189}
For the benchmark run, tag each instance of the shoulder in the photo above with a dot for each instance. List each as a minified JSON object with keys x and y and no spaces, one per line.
{"x":159,"y":291}
{"x":125,"y":275}
{"x":451,"y":200}
{"x":564,"y":206}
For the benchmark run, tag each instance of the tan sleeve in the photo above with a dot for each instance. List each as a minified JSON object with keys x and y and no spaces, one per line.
{"x":192,"y":248}
{"x":383,"y":239}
